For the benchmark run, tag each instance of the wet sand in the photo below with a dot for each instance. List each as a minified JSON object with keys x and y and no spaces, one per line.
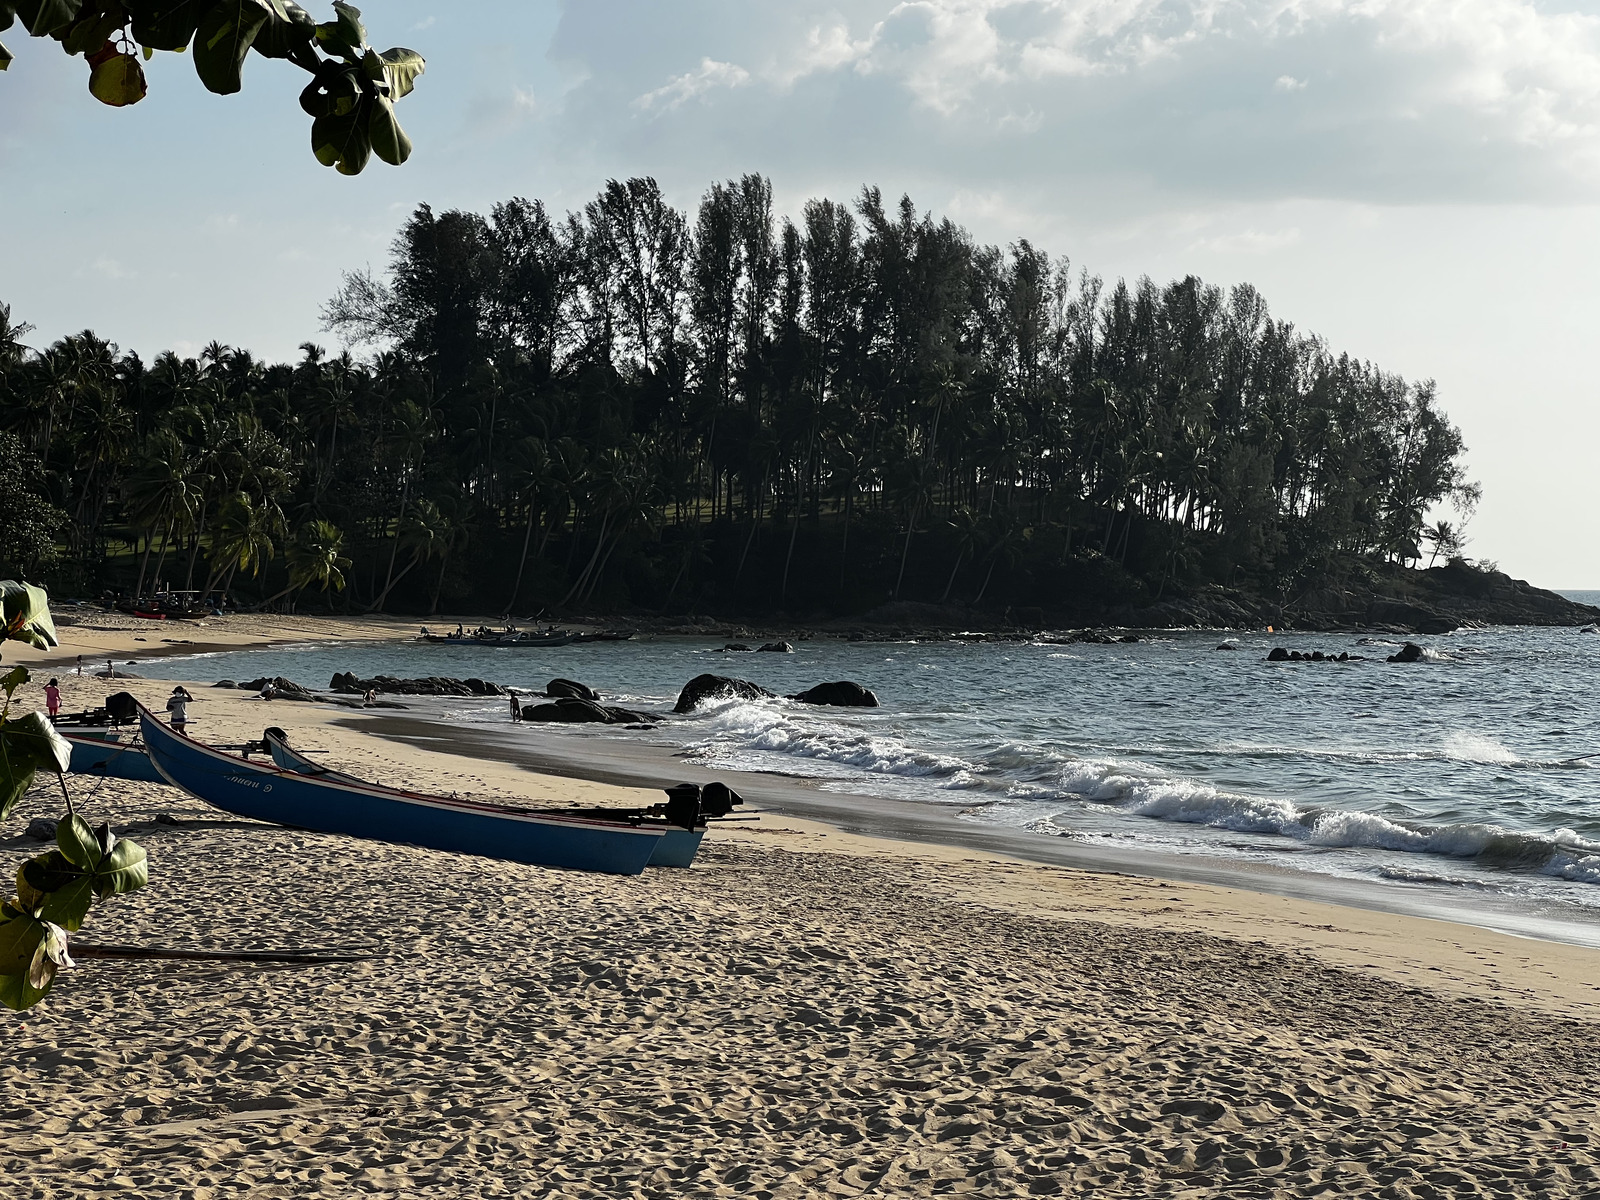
{"x":806,"y":1012}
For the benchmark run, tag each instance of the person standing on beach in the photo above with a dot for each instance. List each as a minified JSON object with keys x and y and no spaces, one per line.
{"x":516,"y":709}
{"x":80,"y":664}
{"x":52,"y":699}
{"x":178,"y":706}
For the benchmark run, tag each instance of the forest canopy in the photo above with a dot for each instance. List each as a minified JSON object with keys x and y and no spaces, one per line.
{"x":637,"y":408}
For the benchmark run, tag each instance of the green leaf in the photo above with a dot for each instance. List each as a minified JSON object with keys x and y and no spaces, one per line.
{"x":68,"y":905}
{"x":42,"y":18}
{"x":60,"y":885}
{"x":8,"y":14}
{"x":222,"y":40}
{"x":290,"y":28}
{"x":345,"y":35}
{"x":35,"y":736}
{"x":27,"y":614}
{"x":13,"y":679}
{"x":30,"y":953}
{"x":90,"y":31}
{"x":117,"y":79}
{"x":46,"y":873}
{"x":168,"y":26}
{"x":5,"y":57}
{"x":26,"y":745}
{"x":126,"y":869}
{"x":334,"y":92}
{"x":340,"y":140}
{"x":389,"y":141}
{"x":400,"y":70}
{"x":79,"y":845}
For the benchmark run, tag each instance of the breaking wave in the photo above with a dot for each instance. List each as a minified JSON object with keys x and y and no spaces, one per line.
{"x":1564,"y":854}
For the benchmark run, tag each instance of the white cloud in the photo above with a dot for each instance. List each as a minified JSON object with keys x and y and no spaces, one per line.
{"x":1247,"y":242}
{"x":1415,"y":99}
{"x":107,"y":268}
{"x":710,"y":74}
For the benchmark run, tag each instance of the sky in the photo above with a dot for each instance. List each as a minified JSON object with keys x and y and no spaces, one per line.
{"x":1417,"y":181}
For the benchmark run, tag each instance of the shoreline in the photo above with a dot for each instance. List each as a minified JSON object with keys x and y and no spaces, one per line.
{"x":1294,"y":912}
{"x":543,"y":752}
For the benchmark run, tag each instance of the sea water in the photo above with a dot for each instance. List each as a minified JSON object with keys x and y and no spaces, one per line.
{"x":1478,"y":768}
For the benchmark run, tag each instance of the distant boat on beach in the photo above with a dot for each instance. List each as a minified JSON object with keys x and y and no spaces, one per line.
{"x":511,"y":638}
{"x":268,"y":793}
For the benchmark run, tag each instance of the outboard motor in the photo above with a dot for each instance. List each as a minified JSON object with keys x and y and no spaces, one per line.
{"x":264,"y":746}
{"x":718,"y":799}
{"x":121,"y":708}
{"x":683,"y":804}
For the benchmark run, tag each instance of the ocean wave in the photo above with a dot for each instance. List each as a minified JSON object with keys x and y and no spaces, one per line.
{"x":1564,"y":854}
{"x":742,"y":728}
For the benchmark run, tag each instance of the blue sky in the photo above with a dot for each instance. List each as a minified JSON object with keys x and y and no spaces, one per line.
{"x":1415,"y":180}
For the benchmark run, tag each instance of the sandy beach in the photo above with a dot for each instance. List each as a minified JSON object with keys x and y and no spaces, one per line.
{"x":806,"y":1012}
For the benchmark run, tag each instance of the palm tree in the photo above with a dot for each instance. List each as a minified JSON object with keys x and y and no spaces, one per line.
{"x":425,"y":532}
{"x":968,"y":531}
{"x":160,"y":496}
{"x":246,"y":539}
{"x":315,"y":556}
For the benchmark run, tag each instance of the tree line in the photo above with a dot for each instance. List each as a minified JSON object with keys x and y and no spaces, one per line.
{"x":636,"y":408}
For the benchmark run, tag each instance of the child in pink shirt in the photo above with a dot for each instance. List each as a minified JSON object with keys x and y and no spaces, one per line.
{"x":52,"y":698}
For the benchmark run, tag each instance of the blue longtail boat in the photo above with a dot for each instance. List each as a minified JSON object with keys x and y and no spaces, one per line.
{"x":677,"y":847}
{"x":268,"y":793}
{"x":104,"y":753}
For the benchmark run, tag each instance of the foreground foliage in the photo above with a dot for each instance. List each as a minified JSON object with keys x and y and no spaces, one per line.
{"x":632,"y":405}
{"x":350,"y":98}
{"x":54,"y":891}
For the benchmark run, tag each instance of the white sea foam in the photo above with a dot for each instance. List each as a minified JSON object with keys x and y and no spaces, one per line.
{"x":1464,"y":746}
{"x":744,"y":731}
{"x":1575,"y":868}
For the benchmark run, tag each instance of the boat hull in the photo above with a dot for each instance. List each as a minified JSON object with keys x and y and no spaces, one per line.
{"x":96,"y":755}
{"x":435,"y":822}
{"x":676,"y":848}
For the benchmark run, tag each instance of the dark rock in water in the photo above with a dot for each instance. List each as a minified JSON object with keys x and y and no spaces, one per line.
{"x":1409,"y":653}
{"x":113,"y":673}
{"x":573,"y":710}
{"x":778,"y":648}
{"x":568,"y":710}
{"x":711,"y":687}
{"x":1128,"y":637}
{"x":840,"y":694}
{"x":282,"y":689}
{"x":1278,"y":654}
{"x":42,"y":828}
{"x":571,"y":687}
{"x":1227,"y":646}
{"x":346,"y":683}
{"x":227,"y":683}
{"x":736,"y":648}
